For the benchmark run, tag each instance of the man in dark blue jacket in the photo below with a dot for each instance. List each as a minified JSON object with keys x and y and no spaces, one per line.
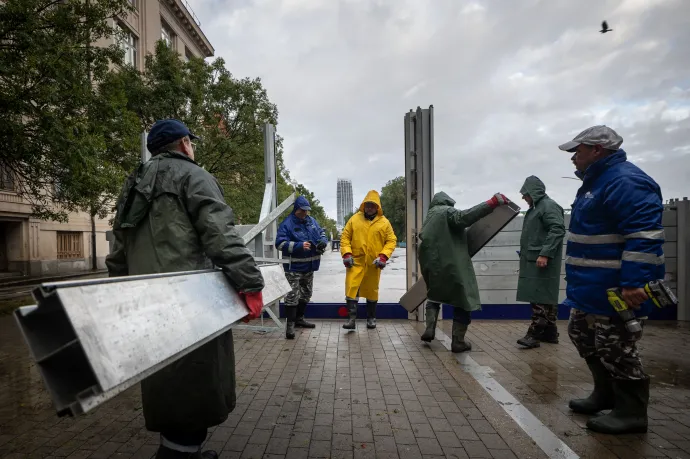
{"x":302,"y":240}
{"x":615,"y":240}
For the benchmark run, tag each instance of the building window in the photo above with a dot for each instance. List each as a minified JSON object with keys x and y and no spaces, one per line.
{"x":6,"y":179}
{"x":167,"y":35}
{"x":188,"y":55}
{"x":128,"y":43}
{"x":70,"y":245}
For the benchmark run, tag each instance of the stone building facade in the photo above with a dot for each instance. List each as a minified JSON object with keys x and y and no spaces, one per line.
{"x":29,"y":246}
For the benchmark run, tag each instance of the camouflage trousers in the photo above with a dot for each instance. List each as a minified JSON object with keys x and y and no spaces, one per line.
{"x":302,"y":287}
{"x":607,"y":337}
{"x":543,"y":316}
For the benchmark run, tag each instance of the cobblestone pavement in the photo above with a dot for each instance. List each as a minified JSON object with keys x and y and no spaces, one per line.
{"x":367,"y":394}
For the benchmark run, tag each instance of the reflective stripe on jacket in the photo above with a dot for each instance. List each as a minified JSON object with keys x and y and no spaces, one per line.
{"x":616,"y":237}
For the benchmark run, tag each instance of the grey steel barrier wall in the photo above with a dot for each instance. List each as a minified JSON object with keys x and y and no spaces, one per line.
{"x":496,"y":265}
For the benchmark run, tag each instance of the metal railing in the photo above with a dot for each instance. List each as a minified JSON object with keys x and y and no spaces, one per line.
{"x":191,"y":12}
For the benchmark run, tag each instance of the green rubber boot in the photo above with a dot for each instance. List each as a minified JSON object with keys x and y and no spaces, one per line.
{"x":352,"y":311}
{"x":290,"y":312}
{"x":458,"y":344}
{"x":432,"y":310}
{"x":630,"y":412}
{"x":602,"y":397}
{"x":371,"y":314}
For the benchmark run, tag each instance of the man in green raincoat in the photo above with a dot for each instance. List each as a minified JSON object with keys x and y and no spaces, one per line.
{"x":541,"y":248}
{"x":447,"y":267}
{"x":171,"y":216}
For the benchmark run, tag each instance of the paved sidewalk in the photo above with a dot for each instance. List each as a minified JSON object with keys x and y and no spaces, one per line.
{"x":372,"y":393}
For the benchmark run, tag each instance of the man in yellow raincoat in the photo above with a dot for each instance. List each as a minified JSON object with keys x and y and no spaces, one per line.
{"x":366,"y":245}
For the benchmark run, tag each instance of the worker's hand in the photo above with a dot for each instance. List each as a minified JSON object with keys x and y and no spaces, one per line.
{"x":380,"y":262}
{"x":321,"y":247}
{"x":634,"y":297}
{"x":255,"y":303}
{"x":497,"y":200}
{"x":306,"y":245}
{"x":348,"y":261}
{"x":542,"y":262}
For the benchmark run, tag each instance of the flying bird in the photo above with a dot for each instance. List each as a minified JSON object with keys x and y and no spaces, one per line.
{"x":605,"y":28}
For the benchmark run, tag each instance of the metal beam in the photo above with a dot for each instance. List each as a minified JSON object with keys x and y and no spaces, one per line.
{"x":263,"y":224}
{"x":145,"y":154}
{"x":683,"y":257}
{"x":271,"y":179}
{"x":93,"y":339}
{"x":266,"y":204}
{"x":419,"y":182}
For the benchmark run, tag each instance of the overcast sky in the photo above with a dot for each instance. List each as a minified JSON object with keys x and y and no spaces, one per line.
{"x":509,"y":80}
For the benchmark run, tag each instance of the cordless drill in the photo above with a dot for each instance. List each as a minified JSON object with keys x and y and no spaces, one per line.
{"x":657,"y":291}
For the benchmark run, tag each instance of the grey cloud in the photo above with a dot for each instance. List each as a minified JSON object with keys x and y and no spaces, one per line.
{"x":509,"y":82}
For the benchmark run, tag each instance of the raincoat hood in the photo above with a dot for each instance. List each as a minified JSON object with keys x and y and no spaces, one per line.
{"x":534,"y":187}
{"x":300,"y":202}
{"x":372,"y":196}
{"x":441,"y":199}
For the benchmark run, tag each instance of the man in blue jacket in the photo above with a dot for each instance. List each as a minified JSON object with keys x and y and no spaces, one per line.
{"x":615,"y":240}
{"x":302,"y":240}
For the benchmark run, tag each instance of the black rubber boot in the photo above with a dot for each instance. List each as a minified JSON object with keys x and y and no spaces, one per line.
{"x":630,"y":412}
{"x":300,"y":322}
{"x":432,"y":311}
{"x":371,"y":314}
{"x":290,"y":312}
{"x":602,"y":397}
{"x":548,"y":335}
{"x":528,"y":341}
{"x":458,"y":343}
{"x":352,"y":311}
{"x":167,"y":453}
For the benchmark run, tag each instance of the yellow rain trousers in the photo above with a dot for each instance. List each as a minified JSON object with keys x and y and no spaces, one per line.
{"x":366,"y":239}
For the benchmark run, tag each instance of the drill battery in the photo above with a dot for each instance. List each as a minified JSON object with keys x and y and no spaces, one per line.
{"x":657,"y":291}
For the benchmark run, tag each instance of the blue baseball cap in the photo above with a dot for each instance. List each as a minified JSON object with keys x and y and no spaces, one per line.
{"x":167,"y":131}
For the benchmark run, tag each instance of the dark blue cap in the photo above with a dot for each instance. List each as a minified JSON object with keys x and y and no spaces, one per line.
{"x":301,"y":203}
{"x":167,"y":131}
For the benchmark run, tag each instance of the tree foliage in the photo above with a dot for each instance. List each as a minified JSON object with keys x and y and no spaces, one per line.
{"x":226,"y":112}
{"x":287,"y":185}
{"x":53,"y":124}
{"x":71,"y":121}
{"x":393,"y":201}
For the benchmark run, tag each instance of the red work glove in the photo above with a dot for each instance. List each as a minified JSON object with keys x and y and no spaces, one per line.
{"x":380,"y":262}
{"x":255,"y":303}
{"x":348,"y":261}
{"x":497,"y":200}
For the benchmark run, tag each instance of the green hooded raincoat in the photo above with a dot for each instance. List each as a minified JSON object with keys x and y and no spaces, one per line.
{"x":542,"y":235}
{"x":172,"y":216}
{"x":445,"y":262}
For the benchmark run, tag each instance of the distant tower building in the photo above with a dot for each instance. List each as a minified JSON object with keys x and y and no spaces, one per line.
{"x":344,"y":200}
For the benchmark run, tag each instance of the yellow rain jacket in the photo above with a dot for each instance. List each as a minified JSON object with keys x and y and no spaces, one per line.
{"x":366,"y":239}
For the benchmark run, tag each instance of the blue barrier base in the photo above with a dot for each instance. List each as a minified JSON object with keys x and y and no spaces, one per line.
{"x":489,"y":311}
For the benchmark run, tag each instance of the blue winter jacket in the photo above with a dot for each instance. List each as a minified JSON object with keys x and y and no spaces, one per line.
{"x":616,"y":236}
{"x":292,"y":233}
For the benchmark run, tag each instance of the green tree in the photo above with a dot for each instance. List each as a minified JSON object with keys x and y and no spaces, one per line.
{"x":287,"y":185}
{"x":393,"y":201}
{"x":53,"y":121}
{"x":227,"y":113}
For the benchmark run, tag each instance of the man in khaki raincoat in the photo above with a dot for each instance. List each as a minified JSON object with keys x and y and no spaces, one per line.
{"x":541,"y":249}
{"x":171,"y":216}
{"x":447,"y":267}
{"x":367,"y":242}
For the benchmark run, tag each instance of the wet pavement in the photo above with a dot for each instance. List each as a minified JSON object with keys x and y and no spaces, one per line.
{"x":373,"y":393}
